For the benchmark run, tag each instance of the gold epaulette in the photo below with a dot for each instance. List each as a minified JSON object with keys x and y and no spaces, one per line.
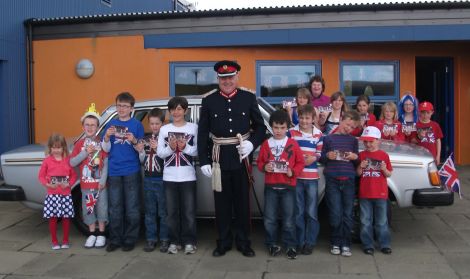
{"x":210,"y":92}
{"x":249,"y":90}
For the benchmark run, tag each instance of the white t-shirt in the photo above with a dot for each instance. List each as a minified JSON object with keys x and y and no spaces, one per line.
{"x":179,"y":165}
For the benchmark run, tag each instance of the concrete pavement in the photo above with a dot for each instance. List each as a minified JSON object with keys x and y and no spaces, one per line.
{"x":426,"y":242}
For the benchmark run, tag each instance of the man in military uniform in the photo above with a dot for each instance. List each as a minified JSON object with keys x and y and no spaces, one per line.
{"x":230,"y":128}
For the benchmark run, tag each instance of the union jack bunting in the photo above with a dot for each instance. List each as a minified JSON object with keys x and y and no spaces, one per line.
{"x":90,"y":201}
{"x":449,"y":176}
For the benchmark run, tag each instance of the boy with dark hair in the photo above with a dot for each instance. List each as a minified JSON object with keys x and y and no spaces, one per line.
{"x":93,"y":165}
{"x":339,"y":156}
{"x":120,"y":140}
{"x":310,"y":141}
{"x":177,"y":145}
{"x":282,"y":161}
{"x":374,"y":169}
{"x":154,"y":191}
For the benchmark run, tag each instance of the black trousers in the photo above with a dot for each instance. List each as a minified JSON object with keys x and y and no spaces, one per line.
{"x":235,"y":199}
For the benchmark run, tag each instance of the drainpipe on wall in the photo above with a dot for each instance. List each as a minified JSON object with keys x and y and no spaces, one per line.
{"x":30,"y":79}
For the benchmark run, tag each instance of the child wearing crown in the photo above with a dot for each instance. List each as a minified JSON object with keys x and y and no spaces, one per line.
{"x":93,"y":165}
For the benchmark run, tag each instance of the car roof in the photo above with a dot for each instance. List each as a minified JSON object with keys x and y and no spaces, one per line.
{"x":192,"y":100}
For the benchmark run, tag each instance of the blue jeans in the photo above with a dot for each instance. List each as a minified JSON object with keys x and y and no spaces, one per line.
{"x":374,"y":212}
{"x":306,"y":219}
{"x":124,"y":208}
{"x":340,"y":201}
{"x":276,"y":200}
{"x":181,"y":206}
{"x":155,"y":202}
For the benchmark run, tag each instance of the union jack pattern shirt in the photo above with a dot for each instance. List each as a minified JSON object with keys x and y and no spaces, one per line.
{"x":153,"y":165}
{"x":178,"y":164}
{"x":432,"y":133}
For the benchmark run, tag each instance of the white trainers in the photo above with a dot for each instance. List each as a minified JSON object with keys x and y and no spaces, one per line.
{"x":55,"y":246}
{"x":90,"y":241}
{"x":346,"y":252}
{"x":172,"y":249}
{"x":335,"y":250}
{"x":189,"y":249}
{"x":100,"y":241}
{"x":65,"y":246}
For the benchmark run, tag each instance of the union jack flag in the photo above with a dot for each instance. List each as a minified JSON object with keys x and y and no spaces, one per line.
{"x":90,"y":201}
{"x":178,"y":158}
{"x":449,"y":176}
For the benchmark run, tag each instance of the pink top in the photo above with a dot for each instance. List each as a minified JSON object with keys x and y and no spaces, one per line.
{"x":51,"y":168}
{"x":322,"y":101}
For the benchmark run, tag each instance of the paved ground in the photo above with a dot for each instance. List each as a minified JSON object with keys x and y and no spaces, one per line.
{"x":427,"y":243}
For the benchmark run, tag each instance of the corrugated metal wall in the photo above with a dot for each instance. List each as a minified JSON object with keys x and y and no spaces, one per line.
{"x":14,"y":129}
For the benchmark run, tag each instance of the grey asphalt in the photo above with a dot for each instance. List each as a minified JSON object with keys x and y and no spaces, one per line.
{"x":426,"y":242}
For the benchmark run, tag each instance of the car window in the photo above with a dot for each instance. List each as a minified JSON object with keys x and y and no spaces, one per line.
{"x":101,"y":130}
{"x":144,"y":118}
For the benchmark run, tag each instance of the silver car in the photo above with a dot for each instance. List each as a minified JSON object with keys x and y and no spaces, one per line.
{"x":414,"y":182}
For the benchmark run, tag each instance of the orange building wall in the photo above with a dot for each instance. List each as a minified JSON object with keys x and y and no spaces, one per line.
{"x":122,"y":64}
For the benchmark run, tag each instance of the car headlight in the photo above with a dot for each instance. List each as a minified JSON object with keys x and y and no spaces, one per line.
{"x":433,"y":174}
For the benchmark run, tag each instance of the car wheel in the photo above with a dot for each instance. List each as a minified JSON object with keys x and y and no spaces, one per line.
{"x":77,"y":206}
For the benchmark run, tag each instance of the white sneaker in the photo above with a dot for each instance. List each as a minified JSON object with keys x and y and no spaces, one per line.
{"x":346,"y":252}
{"x":172,"y":249}
{"x":90,"y":241}
{"x":335,"y":250}
{"x":65,"y":246}
{"x":55,"y":246}
{"x":189,"y":249}
{"x":100,"y":241}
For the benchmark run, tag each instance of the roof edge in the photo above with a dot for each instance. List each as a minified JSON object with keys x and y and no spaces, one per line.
{"x":135,"y":16}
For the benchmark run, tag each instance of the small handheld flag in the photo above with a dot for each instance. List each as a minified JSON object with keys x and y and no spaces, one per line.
{"x":450,"y":177}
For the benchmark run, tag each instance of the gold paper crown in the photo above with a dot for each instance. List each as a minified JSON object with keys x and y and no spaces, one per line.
{"x":91,"y":111}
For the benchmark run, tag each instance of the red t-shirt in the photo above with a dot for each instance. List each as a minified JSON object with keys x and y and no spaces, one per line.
{"x":373,"y":183}
{"x":385,"y":129}
{"x":92,"y":166}
{"x":432,"y":133}
{"x":411,"y":127}
{"x":369,"y":121}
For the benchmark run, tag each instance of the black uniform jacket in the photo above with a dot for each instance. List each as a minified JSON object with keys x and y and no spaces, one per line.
{"x":226,"y":117}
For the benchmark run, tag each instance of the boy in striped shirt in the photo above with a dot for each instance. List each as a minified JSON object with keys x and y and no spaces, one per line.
{"x":310,"y":141}
{"x":340,"y":158}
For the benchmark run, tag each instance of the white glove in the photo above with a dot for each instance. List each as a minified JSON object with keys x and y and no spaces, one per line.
{"x":245,"y":148}
{"x":206,"y":170}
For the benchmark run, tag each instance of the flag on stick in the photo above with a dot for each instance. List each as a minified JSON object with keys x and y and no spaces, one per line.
{"x":449,"y":176}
